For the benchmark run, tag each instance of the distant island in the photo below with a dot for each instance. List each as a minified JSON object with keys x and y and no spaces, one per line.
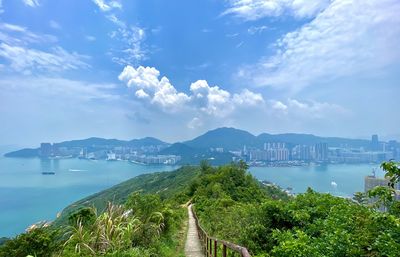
{"x":221,"y":146}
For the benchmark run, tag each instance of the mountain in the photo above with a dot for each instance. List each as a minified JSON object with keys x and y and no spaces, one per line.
{"x":95,"y":141}
{"x":234,"y":139}
{"x":92,"y":143}
{"x":23,"y":153}
{"x":227,"y":138}
{"x":147,"y":141}
{"x":180,"y":148}
{"x":191,"y":155}
{"x":308,"y":139}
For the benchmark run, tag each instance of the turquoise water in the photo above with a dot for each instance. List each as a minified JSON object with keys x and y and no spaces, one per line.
{"x":27,"y":196}
{"x":340,"y":179}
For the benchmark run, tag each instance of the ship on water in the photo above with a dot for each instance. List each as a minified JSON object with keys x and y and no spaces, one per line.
{"x":48,"y":173}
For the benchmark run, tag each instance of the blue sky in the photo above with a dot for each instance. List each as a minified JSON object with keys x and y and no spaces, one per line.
{"x":175,"y":69}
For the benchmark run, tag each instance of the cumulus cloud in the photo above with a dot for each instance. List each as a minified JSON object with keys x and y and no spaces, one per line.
{"x":146,"y":82}
{"x":31,"y":3}
{"x":211,"y":100}
{"x":205,"y":106}
{"x":256,"y":9}
{"x":348,"y":37}
{"x":203,"y":98}
{"x":106,"y":6}
{"x":195,"y":123}
{"x":247,"y":97}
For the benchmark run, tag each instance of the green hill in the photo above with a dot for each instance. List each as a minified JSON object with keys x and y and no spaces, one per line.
{"x":165,"y":184}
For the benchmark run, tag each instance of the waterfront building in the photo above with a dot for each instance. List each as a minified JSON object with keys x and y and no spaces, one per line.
{"x":321,"y":152}
{"x":374,"y":143}
{"x":372,"y":181}
{"x":46,"y":150}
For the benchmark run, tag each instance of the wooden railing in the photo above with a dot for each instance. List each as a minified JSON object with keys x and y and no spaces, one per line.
{"x":214,"y":247}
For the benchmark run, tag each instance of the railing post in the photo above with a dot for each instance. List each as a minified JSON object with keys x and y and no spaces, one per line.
{"x":215,"y":248}
{"x":223,"y":250}
{"x":208,"y":247}
{"x":210,"y":250}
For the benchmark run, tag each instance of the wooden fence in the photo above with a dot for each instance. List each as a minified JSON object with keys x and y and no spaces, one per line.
{"x":214,"y":247}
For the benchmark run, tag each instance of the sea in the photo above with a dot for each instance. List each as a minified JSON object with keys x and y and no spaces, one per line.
{"x":27,"y":196}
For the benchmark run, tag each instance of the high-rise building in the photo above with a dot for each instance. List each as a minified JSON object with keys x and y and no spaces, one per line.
{"x":45,"y":150}
{"x":321,"y":152}
{"x":374,"y":143}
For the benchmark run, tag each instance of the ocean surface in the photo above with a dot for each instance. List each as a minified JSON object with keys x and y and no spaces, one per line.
{"x":27,"y":196}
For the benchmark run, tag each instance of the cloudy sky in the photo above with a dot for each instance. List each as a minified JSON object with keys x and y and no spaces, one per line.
{"x":174,"y":69}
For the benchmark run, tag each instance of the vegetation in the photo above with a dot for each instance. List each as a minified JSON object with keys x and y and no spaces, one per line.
{"x":144,"y":217}
{"x":231,"y":206}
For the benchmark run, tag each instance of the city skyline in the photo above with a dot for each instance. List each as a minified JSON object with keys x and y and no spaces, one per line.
{"x":173,"y":70}
{"x":219,"y":146}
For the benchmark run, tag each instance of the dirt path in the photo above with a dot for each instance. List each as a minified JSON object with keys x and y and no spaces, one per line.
{"x":193,"y":245}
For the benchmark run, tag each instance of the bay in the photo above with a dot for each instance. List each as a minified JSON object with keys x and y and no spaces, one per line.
{"x":27,"y":196}
{"x":339,"y":179}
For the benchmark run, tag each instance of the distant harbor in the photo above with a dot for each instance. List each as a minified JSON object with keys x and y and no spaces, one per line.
{"x":222,"y":146}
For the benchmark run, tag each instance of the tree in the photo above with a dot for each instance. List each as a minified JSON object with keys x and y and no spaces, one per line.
{"x":386,"y":196}
{"x":360,"y":197}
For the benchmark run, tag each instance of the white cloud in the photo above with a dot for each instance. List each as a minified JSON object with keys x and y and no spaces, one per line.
{"x":131,"y":37}
{"x":349,"y":37}
{"x":128,"y":47}
{"x":141,"y":94}
{"x":147,"y":84}
{"x":256,"y":9}
{"x":256,"y":29}
{"x":26,"y":60}
{"x":54,"y":24}
{"x":203,"y":98}
{"x":211,"y":99}
{"x":31,"y":3}
{"x":12,"y":27}
{"x":73,"y":89}
{"x":195,"y":123}
{"x":17,"y":35}
{"x":314,"y":110}
{"x":19,"y":49}
{"x":278,"y":105}
{"x":246,"y":97}
{"x":206,"y":106}
{"x":106,"y":6}
{"x":90,"y":38}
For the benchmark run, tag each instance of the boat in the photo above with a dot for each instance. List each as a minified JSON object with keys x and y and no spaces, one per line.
{"x":76,"y":170}
{"x":48,"y":173}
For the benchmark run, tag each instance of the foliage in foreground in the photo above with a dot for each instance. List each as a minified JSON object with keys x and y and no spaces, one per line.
{"x":141,"y":227}
{"x":231,"y":206}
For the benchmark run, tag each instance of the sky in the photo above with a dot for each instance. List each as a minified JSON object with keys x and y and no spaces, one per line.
{"x":175,"y":69}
